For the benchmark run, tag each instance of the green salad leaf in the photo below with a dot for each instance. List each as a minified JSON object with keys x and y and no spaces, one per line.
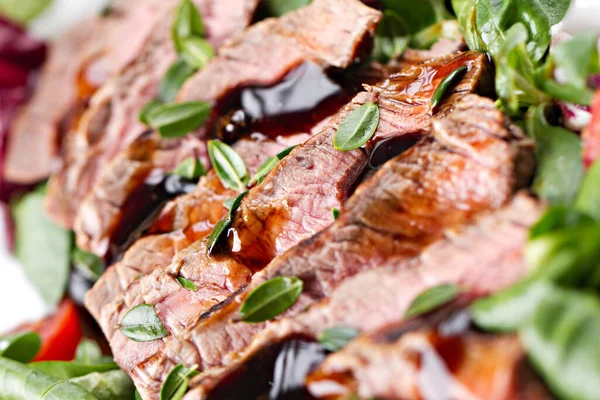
{"x":558,"y":154}
{"x":43,"y":247}
{"x":111,"y":385}
{"x":71,"y":369}
{"x":277,"y":8}
{"x":88,"y":352}
{"x":88,"y":264}
{"x":22,"y":11}
{"x":21,"y":347}
{"x":588,"y":199}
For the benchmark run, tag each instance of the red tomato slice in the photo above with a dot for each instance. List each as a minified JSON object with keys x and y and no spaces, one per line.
{"x":591,"y":134}
{"x":60,"y":333}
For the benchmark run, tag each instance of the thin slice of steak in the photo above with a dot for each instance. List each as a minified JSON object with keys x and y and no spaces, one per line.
{"x":438,"y":356}
{"x":482,"y":257}
{"x":110,"y":124}
{"x":473,"y":161}
{"x":184,"y":220}
{"x":78,"y":62}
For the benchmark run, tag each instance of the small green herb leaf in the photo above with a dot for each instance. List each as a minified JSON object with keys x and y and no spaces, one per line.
{"x":270,"y":299}
{"x":22,"y":347}
{"x":445,"y":84}
{"x":88,"y":352}
{"x":228,"y":203}
{"x":431,"y":299}
{"x":191,"y":168}
{"x":268,"y":165}
{"x":215,"y":235}
{"x":188,"y":23}
{"x":43,"y":247}
{"x":221,"y":227}
{"x":187,"y":284}
{"x":228,"y":165}
{"x":177,"y":382}
{"x":176,"y":120}
{"x":148,"y":108}
{"x":176,"y":75}
{"x":141,"y":324}
{"x":88,"y":264}
{"x":336,"y":213}
{"x":357,"y":128}
{"x":196,"y":52}
{"x":334,"y":339}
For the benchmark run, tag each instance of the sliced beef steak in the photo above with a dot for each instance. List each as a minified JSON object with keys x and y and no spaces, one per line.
{"x":110,"y":124}
{"x":435,"y":357}
{"x":78,"y":62}
{"x":184,"y":220}
{"x":482,"y":257}
{"x":473,"y":161}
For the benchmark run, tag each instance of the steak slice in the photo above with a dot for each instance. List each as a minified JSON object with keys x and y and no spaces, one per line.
{"x":110,"y":124}
{"x":482,"y":257}
{"x":472,"y":162}
{"x":435,"y":357}
{"x":78,"y":61}
{"x":184,"y":220}
{"x":313,"y":166}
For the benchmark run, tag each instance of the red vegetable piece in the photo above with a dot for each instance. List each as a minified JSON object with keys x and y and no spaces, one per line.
{"x":60,"y":333}
{"x":591,"y":134}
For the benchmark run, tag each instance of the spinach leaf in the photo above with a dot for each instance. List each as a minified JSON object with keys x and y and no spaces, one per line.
{"x":418,"y":14}
{"x":556,"y":218}
{"x":270,"y":299}
{"x":465,"y":14}
{"x":88,"y":352}
{"x":141,"y":324}
{"x":228,"y":165}
{"x":334,"y":339}
{"x":357,"y":128}
{"x":176,"y":383}
{"x":562,"y":342}
{"x":43,"y":247}
{"x":21,"y":347}
{"x":20,"y":382}
{"x":558,"y":153}
{"x":588,"y":200}
{"x":111,"y":385}
{"x":431,"y":299}
{"x":70,"y":369}
{"x":392,"y":37}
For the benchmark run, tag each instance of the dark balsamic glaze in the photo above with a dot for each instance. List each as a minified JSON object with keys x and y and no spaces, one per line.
{"x":277,"y":372}
{"x":389,"y":148}
{"x":143,"y":206}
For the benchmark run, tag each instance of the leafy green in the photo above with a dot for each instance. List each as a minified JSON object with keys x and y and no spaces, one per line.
{"x":196,"y":52}
{"x":43,"y":247}
{"x":191,"y":168}
{"x":588,"y":200}
{"x":334,"y":339}
{"x":88,"y":264}
{"x":418,"y":14}
{"x":111,"y":385}
{"x":357,"y":128}
{"x":556,"y":218}
{"x":562,"y":343}
{"x":277,"y":8}
{"x":174,"y":78}
{"x":176,"y":383}
{"x":70,"y":369}
{"x":228,"y":165}
{"x":20,"y":382}
{"x":187,"y":284}
{"x":558,"y":153}
{"x":22,"y":11}
{"x":268,"y":165}
{"x":141,"y":324}
{"x":219,"y":230}
{"x":445,"y":84}
{"x":176,"y":120}
{"x":147,"y":109}
{"x":431,"y":299}
{"x":336,"y":213}
{"x":188,"y":23}
{"x":88,"y":352}
{"x":270,"y":299}
{"x":392,"y":37}
{"x":21,"y":347}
